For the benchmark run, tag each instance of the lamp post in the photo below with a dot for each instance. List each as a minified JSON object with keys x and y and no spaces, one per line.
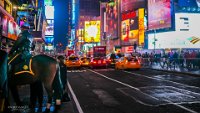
{"x":154,"y":41}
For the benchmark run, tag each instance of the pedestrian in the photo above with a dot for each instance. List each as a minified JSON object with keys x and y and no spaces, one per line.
{"x":63,"y":73}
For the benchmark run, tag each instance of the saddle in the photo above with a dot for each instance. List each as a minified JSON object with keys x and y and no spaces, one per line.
{"x":22,"y":66}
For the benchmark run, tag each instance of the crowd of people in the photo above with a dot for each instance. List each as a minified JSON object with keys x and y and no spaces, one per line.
{"x":188,"y":59}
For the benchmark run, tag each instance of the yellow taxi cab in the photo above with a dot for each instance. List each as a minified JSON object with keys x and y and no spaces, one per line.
{"x":85,"y":61}
{"x":128,"y":63}
{"x":73,"y":62}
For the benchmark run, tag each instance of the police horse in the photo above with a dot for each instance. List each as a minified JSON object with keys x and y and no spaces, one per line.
{"x":39,"y":67}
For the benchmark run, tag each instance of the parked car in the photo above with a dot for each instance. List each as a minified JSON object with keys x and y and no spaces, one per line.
{"x":98,"y":62}
{"x":128,"y":63}
{"x":73,"y":62}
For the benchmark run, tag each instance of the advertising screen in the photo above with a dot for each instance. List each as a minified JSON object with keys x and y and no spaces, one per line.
{"x":129,"y":28}
{"x":12,"y":33}
{"x":49,"y":40}
{"x":131,"y":5}
{"x":5,"y":26}
{"x":48,"y":2}
{"x":49,"y":12}
{"x":186,"y":35}
{"x":159,"y":14}
{"x":189,"y":3}
{"x":50,"y":27}
{"x":92,"y":31}
{"x":111,"y":20}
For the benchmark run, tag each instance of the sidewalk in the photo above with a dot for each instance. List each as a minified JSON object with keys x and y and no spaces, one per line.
{"x":24,"y":92}
{"x":178,"y":69}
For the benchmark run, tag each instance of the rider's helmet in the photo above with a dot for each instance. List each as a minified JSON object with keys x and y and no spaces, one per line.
{"x":25,"y":25}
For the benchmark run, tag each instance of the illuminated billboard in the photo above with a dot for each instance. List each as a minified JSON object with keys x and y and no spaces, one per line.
{"x":186,"y":35}
{"x":5,"y":26}
{"x":131,"y":5}
{"x":12,"y":34}
{"x":112,"y":20}
{"x":189,"y":3}
{"x":159,"y":14}
{"x":129,"y":31}
{"x":49,"y":12}
{"x":50,"y":27}
{"x":48,"y":2}
{"x":92,"y":31}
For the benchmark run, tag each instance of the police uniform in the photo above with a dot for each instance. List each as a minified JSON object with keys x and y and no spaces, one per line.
{"x":21,"y":47}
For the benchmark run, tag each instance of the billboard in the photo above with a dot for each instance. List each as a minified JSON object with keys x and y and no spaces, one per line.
{"x":50,"y":27}
{"x":12,"y":33}
{"x":131,"y":5}
{"x":92,"y":31}
{"x":112,"y":20}
{"x":189,"y":3}
{"x":49,"y":40}
{"x":186,"y":35}
{"x":129,"y":31}
{"x":49,"y":12}
{"x":5,"y":26}
{"x":159,"y":14}
{"x":48,"y":2}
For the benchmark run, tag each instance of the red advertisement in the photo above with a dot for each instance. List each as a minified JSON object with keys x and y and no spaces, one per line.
{"x":70,"y":52}
{"x":159,"y":14}
{"x":111,"y":19}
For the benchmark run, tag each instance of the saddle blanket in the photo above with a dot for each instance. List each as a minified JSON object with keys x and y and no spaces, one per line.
{"x":24,"y":67}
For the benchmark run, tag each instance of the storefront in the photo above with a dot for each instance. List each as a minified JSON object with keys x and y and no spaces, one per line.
{"x":10,"y":30}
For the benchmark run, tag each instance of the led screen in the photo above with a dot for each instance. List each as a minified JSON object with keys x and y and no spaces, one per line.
{"x":49,"y":40}
{"x":50,"y":27}
{"x":159,"y":14}
{"x":48,"y":2}
{"x":189,"y":3}
{"x":92,"y":31}
{"x":131,"y":5}
{"x":49,"y":12}
{"x":111,"y":20}
{"x":186,"y":35}
{"x":5,"y":26}
{"x":12,"y":33}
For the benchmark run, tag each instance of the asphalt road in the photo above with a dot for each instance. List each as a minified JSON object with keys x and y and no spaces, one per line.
{"x":143,"y":91}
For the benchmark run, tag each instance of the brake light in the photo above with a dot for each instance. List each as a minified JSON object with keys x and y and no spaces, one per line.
{"x":104,"y":61}
{"x":94,"y":62}
{"x":126,"y":61}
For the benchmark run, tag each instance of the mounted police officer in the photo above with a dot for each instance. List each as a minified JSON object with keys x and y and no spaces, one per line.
{"x":21,"y":49}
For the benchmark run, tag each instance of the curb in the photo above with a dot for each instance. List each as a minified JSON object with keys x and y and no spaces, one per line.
{"x":170,"y":71}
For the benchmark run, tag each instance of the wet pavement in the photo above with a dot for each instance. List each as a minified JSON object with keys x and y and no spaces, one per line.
{"x":131,"y":91}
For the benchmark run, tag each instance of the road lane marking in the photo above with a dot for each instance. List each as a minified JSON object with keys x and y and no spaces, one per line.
{"x":127,"y":85}
{"x":124,"y":84}
{"x":155,"y":78}
{"x":75,"y":98}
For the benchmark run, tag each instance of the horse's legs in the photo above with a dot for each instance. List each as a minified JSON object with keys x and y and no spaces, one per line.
{"x":48,"y":88}
{"x":15,"y":95}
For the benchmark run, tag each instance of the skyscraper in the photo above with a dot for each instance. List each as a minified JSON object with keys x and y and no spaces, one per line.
{"x":61,"y":18}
